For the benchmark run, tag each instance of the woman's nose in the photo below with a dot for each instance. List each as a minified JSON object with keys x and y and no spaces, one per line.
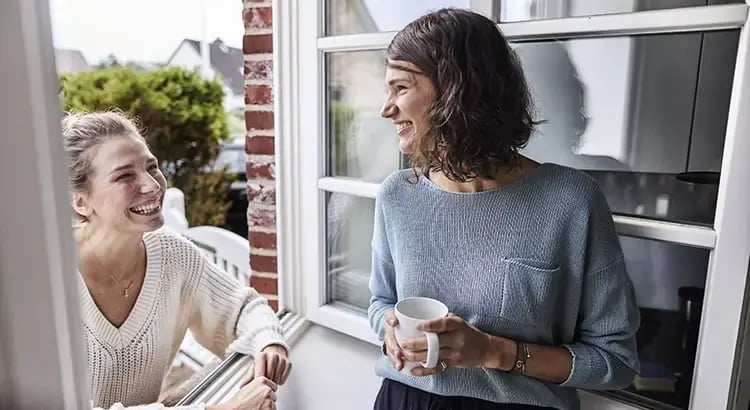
{"x":386,"y":111}
{"x":149,"y":184}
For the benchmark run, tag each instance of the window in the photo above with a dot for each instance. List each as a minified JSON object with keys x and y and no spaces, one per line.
{"x":669,"y":282}
{"x":650,"y":109}
{"x":361,"y":143}
{"x":523,"y":10}
{"x":368,"y":16}
{"x":349,"y":221}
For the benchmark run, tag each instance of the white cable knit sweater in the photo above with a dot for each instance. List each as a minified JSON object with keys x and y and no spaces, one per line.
{"x":182,"y":290}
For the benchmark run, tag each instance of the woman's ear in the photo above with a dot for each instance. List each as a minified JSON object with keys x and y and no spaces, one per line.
{"x":80,"y":204}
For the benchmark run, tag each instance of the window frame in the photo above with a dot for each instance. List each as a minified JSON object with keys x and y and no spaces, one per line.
{"x":41,"y":337}
{"x":303,"y":155}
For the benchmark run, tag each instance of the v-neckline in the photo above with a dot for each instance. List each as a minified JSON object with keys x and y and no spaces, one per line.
{"x":123,"y":335}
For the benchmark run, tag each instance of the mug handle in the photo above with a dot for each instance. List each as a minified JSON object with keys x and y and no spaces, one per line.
{"x":433,"y":350}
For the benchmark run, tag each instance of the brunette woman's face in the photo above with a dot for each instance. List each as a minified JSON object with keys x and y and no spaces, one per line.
{"x":409,"y":96}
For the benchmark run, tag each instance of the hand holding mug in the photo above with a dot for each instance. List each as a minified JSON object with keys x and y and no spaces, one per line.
{"x":461,"y":344}
{"x":391,"y":345}
{"x":409,"y":312}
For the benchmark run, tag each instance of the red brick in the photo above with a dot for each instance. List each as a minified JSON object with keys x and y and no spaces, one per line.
{"x":265,"y":218}
{"x":259,"y":170}
{"x":262,"y":240}
{"x":258,"y":94}
{"x":259,"y":70}
{"x":274,"y":304}
{"x":258,"y":17}
{"x":268,"y":286}
{"x":258,"y":120}
{"x":257,"y":43}
{"x":262,"y":263}
{"x":260,"y":145}
{"x":262,"y":193}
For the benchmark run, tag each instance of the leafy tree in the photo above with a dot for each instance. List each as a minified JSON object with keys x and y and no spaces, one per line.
{"x":184,"y":122}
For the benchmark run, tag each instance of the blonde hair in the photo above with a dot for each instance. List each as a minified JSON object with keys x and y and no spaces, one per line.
{"x":82,"y":134}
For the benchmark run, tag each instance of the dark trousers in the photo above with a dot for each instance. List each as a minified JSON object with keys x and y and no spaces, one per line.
{"x":398,"y":396}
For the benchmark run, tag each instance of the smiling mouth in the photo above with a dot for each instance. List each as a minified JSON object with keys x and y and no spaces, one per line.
{"x":147,"y":209}
{"x":402,"y":126}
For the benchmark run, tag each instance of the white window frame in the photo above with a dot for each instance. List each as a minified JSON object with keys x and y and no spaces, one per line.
{"x":41,"y":338}
{"x":303,"y":182}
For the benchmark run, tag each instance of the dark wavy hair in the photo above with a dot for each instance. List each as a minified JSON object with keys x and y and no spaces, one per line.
{"x":482,"y":114}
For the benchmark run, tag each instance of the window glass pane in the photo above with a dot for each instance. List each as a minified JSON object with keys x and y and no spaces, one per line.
{"x":370,"y":16}
{"x":362,"y":144}
{"x":645,"y":116}
{"x":521,"y":10}
{"x":669,"y":281}
{"x":349,"y":226}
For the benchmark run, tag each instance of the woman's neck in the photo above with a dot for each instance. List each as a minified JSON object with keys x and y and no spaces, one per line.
{"x":503,"y":177}
{"x":107,"y":249}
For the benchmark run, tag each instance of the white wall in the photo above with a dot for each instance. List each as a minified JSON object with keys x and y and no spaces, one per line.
{"x":188,"y":58}
{"x":333,"y":371}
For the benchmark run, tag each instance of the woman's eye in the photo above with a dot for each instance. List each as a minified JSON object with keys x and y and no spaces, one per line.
{"x":123,"y":177}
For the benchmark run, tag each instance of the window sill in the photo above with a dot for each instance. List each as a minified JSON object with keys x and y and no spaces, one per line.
{"x":220,"y":383}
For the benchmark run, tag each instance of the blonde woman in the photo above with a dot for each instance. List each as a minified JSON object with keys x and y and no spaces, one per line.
{"x":143,"y":286}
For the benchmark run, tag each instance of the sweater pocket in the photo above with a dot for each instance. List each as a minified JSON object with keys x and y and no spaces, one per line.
{"x":530,"y":291}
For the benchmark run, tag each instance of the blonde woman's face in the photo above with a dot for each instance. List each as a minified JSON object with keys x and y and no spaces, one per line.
{"x":126,"y":187}
{"x":409,"y":95}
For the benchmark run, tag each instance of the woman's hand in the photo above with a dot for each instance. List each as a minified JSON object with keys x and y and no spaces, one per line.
{"x":273,"y":363}
{"x":258,"y":395}
{"x":391,"y":345}
{"x":461,"y":345}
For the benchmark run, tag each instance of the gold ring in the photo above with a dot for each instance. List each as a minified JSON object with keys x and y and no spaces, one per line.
{"x":443,"y":366}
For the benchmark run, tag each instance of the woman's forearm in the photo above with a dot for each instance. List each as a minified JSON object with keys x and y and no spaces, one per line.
{"x":547,"y":363}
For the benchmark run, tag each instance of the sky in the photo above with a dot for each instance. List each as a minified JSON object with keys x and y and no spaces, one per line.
{"x":141,"y":30}
{"x":150,"y":30}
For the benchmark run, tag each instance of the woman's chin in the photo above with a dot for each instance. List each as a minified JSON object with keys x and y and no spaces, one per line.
{"x":405,"y":145}
{"x":153,"y":223}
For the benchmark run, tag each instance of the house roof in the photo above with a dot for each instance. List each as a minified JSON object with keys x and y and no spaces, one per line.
{"x":227,"y":61}
{"x":70,"y":61}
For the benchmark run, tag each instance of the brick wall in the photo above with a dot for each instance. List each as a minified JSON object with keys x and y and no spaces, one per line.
{"x":259,"y":144}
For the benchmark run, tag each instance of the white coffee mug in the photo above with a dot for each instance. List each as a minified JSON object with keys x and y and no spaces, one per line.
{"x":409,"y":312}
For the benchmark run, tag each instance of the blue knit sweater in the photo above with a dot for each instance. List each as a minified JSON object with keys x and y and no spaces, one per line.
{"x":536,"y":261}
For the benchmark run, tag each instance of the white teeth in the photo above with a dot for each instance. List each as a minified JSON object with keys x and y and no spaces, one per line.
{"x":147,"y":208}
{"x":400,"y":127}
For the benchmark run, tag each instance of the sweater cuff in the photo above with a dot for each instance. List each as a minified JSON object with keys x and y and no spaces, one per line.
{"x":253,"y":344}
{"x":585,"y":364}
{"x":572,"y":367}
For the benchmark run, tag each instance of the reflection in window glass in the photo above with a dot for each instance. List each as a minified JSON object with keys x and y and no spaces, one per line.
{"x":522,"y":10}
{"x":362,"y":144}
{"x":370,"y":16}
{"x":645,"y":116}
{"x":669,"y":282}
{"x":349,"y":225}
